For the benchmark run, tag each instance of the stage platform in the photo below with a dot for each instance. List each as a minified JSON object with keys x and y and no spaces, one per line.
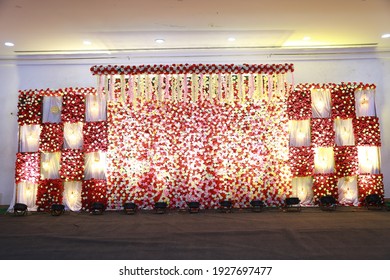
{"x":347,"y":233}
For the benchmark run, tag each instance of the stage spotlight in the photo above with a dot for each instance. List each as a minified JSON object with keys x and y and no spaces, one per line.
{"x":57,"y":209}
{"x":225,"y":206}
{"x":292,"y":203}
{"x":373,"y":201}
{"x":160,"y":207}
{"x":20,"y":209}
{"x":98,"y":208}
{"x":193,"y":206}
{"x":130,"y":208}
{"x":328,"y":202}
{"x":257,"y":205}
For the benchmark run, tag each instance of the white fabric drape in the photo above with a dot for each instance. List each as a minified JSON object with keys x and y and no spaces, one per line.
{"x":348,"y":191}
{"x":323,"y":160}
{"x":73,"y":135}
{"x":95,"y":108}
{"x":369,"y":159}
{"x":29,"y":138}
{"x":72,"y":195}
{"x":95,"y":165}
{"x":50,"y":165}
{"x":27,"y":194}
{"x":320,"y":103}
{"x":299,"y":133}
{"x":365,"y":103}
{"x":52,"y":106}
{"x":344,"y":132}
{"x":302,"y":188}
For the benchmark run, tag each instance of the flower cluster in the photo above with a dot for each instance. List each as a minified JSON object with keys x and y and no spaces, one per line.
{"x":366,"y":130}
{"x":93,"y":191}
{"x":343,"y":102}
{"x":203,"y":151}
{"x":322,"y":132}
{"x":346,"y":160}
{"x":325,"y":184}
{"x":191,"y":68}
{"x":95,"y":136}
{"x":299,"y":105}
{"x":29,"y":107}
{"x":52,"y":137}
{"x":49,"y":192}
{"x":27,"y":167}
{"x":73,"y":106}
{"x":301,"y":161}
{"x":370,"y":184}
{"x":72,"y":165}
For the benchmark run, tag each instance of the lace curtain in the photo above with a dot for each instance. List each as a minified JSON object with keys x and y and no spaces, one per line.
{"x":324,"y":160}
{"x":348,"y":191}
{"x":344,"y":132}
{"x":302,"y":188}
{"x":299,"y":133}
{"x":52,"y":106}
{"x":320,"y":103}
{"x":50,"y":165}
{"x":73,"y":135}
{"x":369,"y":159}
{"x":95,"y":108}
{"x":365,"y":103}
{"x":72,"y":195}
{"x":95,"y":165}
{"x":29,"y":138}
{"x":26,"y":193}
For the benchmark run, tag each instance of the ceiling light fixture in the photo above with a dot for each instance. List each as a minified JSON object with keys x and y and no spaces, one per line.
{"x":9,"y":44}
{"x":385,"y":36}
{"x":159,"y":41}
{"x":306,"y":38}
{"x":231,"y":39}
{"x":86,"y":42}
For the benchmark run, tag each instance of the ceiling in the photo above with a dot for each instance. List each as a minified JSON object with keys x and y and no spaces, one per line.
{"x":49,"y":27}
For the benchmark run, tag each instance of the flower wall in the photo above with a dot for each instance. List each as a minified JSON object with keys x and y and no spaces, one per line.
{"x":206,"y":133}
{"x":342,"y":155}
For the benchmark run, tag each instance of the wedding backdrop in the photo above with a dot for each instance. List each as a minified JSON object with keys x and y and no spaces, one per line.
{"x":206,"y":133}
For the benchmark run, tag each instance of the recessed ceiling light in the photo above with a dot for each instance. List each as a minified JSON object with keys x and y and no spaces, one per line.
{"x":231,"y":39}
{"x":86,"y":42}
{"x":159,"y":41}
{"x":306,"y":38}
{"x":9,"y":44}
{"x":384,"y":36}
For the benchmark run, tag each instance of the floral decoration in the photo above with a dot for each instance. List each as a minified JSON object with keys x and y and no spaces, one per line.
{"x":73,"y":105}
{"x":322,"y":132}
{"x":93,"y":191}
{"x":299,"y":105}
{"x":29,"y":107}
{"x":49,"y":192}
{"x":343,"y":102}
{"x":325,"y":184}
{"x":52,"y":137}
{"x":346,"y":160}
{"x":301,"y":160}
{"x":366,"y":130}
{"x":370,"y":184}
{"x":27,"y":167}
{"x":95,"y":136}
{"x":191,"y":68}
{"x":72,"y":165}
